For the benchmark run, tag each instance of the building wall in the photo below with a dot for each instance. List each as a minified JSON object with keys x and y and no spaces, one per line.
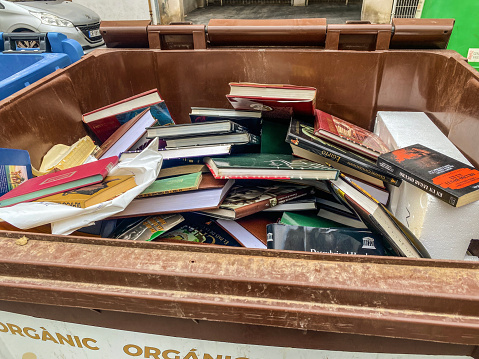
{"x":377,"y":11}
{"x":189,"y":6}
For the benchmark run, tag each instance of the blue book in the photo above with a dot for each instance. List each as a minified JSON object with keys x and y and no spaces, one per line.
{"x":15,"y":168}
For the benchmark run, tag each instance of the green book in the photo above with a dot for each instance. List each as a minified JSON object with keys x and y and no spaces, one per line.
{"x":297,"y":219}
{"x":272,"y":135}
{"x":268,"y":166}
{"x":183,"y":183}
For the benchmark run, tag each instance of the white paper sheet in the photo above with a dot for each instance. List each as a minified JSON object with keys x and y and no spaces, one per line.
{"x":65,"y":219}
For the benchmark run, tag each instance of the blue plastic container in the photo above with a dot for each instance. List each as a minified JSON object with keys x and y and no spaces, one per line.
{"x":21,"y":67}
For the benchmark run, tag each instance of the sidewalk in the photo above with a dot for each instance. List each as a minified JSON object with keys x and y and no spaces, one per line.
{"x":334,"y":13}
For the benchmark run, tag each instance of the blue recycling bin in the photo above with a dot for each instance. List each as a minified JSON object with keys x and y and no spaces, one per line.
{"x":20,"y":67}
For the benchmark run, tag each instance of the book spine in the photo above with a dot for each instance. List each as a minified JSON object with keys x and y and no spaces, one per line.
{"x":238,"y":128}
{"x":270,"y":202}
{"x":254,"y":140}
{"x":104,"y":128}
{"x":426,"y":186}
{"x":176,"y":190}
{"x":370,"y":170}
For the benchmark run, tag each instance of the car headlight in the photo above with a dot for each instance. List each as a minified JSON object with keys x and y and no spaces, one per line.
{"x":50,"y":19}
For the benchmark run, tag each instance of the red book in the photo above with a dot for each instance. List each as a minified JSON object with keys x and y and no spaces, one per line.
{"x":104,"y":121}
{"x":61,"y":181}
{"x":348,"y":135}
{"x":275,"y":101}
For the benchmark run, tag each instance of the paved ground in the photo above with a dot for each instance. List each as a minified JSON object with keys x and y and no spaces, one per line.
{"x":334,"y":13}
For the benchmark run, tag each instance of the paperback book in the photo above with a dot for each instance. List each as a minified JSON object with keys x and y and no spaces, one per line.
{"x":15,"y":169}
{"x":147,"y":229}
{"x":302,"y":135}
{"x":188,"y":182}
{"x":324,"y":240}
{"x":450,"y":180}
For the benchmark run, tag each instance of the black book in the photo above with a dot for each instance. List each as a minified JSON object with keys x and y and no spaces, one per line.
{"x":302,"y":135}
{"x":249,"y":119}
{"x":324,"y":240}
{"x":200,"y":229}
{"x":444,"y":177}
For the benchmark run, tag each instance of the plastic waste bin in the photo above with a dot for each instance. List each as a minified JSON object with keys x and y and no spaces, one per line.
{"x":102,"y":298}
{"x":22,"y":66}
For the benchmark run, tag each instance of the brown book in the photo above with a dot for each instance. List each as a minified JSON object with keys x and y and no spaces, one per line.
{"x":246,"y":199}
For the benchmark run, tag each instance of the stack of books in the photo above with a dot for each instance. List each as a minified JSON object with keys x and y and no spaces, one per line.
{"x":272,"y":172}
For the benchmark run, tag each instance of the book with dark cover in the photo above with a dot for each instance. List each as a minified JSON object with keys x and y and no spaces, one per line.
{"x":444,"y":177}
{"x":15,"y":168}
{"x":56,"y":182}
{"x":324,"y":240}
{"x":348,"y":135}
{"x":147,"y":229}
{"x":397,"y":237}
{"x":195,"y":129}
{"x":200,"y":229}
{"x":184,"y":153}
{"x":249,"y":119}
{"x":302,"y":135}
{"x":243,"y":138}
{"x":272,"y":133}
{"x":275,"y":101}
{"x":254,"y":196}
{"x":268,"y":166}
{"x":106,"y":120}
{"x":307,"y":219}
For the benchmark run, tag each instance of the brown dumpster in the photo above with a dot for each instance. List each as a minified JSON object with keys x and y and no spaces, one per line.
{"x":80,"y":297}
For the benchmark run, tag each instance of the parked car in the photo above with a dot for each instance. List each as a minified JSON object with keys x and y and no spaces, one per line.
{"x":75,"y":21}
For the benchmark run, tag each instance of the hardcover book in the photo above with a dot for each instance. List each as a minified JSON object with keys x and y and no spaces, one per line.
{"x":378,"y":219}
{"x":248,"y":119}
{"x":268,"y":166}
{"x":195,"y":129}
{"x":106,"y":120}
{"x":126,"y":135}
{"x":109,"y":188}
{"x":348,"y":135}
{"x":230,"y":138}
{"x":275,"y":101}
{"x":302,"y":135}
{"x":56,"y":182}
{"x":324,"y":240}
{"x":147,"y":229}
{"x":15,"y":169}
{"x":299,"y":219}
{"x":450,"y":180}
{"x":185,"y":152}
{"x":252,"y":197}
{"x":188,"y":182}
{"x":200,"y":229}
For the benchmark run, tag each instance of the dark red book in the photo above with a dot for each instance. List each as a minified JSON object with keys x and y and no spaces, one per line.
{"x":450,"y":180}
{"x":275,"y":101}
{"x":103,"y":122}
{"x":348,"y":135}
{"x":61,"y":181}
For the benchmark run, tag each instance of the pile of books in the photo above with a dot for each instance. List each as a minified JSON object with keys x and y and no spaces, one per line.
{"x":271,"y":172}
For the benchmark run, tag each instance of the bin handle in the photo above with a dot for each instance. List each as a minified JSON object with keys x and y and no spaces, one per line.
{"x":10,"y":41}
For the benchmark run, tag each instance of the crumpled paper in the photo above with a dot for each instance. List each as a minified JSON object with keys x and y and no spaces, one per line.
{"x":66,"y":219}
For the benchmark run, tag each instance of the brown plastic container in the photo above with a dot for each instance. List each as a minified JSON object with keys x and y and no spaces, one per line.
{"x":273,"y":298}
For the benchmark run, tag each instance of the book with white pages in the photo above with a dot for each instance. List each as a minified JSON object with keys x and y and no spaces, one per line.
{"x":245,"y":237}
{"x":185,"y":152}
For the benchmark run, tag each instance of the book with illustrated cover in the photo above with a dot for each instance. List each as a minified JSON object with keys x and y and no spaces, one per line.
{"x":275,"y":101}
{"x":56,"y":182}
{"x":254,"y":196}
{"x":268,"y":166}
{"x":109,"y":188}
{"x":396,"y":237}
{"x":451,"y":181}
{"x":15,"y":169}
{"x":106,"y":120}
{"x":324,"y":240}
{"x":302,"y":135}
{"x":348,"y":135}
{"x":248,"y":119}
{"x":147,"y":229}
{"x":195,"y":129}
{"x":200,"y":229}
{"x":188,"y":182}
